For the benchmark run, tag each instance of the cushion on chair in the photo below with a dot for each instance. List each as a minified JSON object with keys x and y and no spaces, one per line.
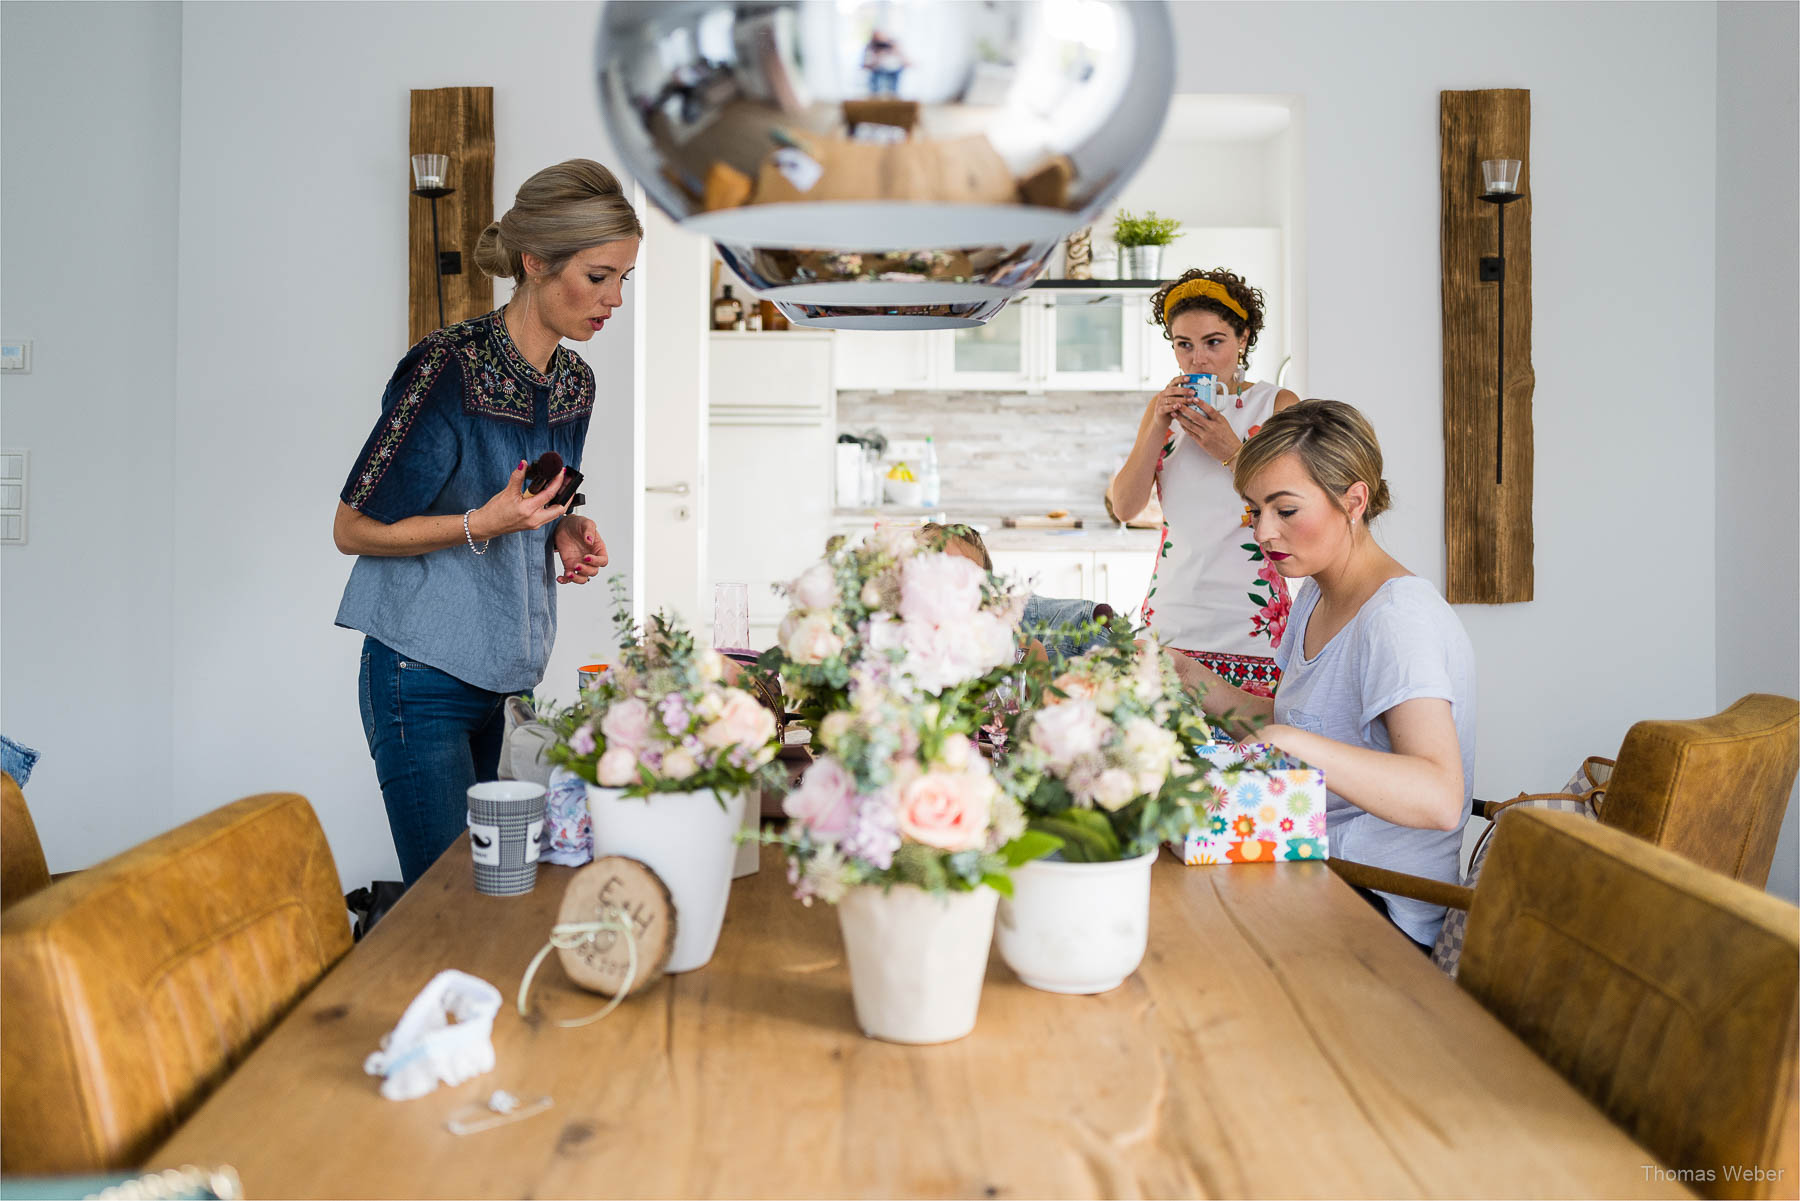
{"x":1663,"y":991}
{"x":128,"y":991}
{"x":22,"y":867}
{"x":1714,"y":789}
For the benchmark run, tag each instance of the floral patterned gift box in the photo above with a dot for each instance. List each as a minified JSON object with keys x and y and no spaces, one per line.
{"x":1265,"y":807}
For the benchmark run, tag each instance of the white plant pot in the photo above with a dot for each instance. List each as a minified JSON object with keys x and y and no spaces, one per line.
{"x":1076,"y":927}
{"x":686,"y":838}
{"x":916,"y":960}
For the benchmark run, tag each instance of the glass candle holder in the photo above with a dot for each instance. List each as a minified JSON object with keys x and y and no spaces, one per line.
{"x":731,"y":616}
{"x":430,"y":170}
{"x":1500,"y":174}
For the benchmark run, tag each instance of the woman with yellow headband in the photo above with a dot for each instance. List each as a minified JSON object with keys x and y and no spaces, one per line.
{"x":1212,"y":597}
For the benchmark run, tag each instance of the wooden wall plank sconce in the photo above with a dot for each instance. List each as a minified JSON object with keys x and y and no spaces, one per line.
{"x":1488,"y":380}
{"x":458,"y":123}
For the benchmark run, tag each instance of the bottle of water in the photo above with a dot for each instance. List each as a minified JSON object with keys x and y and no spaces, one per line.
{"x":928,"y":476}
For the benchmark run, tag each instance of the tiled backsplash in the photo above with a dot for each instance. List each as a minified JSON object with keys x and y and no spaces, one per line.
{"x":1008,"y":451}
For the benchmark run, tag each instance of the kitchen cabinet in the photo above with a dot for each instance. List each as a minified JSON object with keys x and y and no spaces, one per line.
{"x":885,"y":360}
{"x":770,"y":378}
{"x":1119,"y":578}
{"x":1001,"y":355}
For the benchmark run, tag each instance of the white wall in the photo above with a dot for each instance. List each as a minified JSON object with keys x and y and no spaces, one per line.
{"x":90,"y":120}
{"x":1623,"y":623}
{"x":1757,"y":546}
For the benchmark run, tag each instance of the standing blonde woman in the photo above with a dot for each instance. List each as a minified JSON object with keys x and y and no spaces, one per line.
{"x":1213,"y":596}
{"x":1377,"y":674}
{"x":454,"y":581}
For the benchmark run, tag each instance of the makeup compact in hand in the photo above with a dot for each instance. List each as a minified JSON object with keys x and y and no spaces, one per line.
{"x":540,"y":473}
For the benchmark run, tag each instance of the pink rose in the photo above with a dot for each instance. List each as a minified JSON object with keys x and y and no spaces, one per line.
{"x":947,"y":810}
{"x":1066,"y":731}
{"x":938,"y":588}
{"x":617,"y":768}
{"x":742,"y":722}
{"x":1077,"y":688}
{"x":825,"y":801}
{"x":627,"y":724}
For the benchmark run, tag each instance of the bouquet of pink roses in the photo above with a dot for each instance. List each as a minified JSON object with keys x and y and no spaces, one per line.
{"x":893,"y":615}
{"x":665,"y":720}
{"x":901,"y":795}
{"x":1102,"y":753}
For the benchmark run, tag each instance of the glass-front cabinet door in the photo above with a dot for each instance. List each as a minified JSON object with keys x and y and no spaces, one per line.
{"x":1093,"y":341}
{"x":997,"y":355}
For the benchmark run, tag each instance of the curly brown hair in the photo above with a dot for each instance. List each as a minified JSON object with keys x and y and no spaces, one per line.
{"x":1234,"y":285}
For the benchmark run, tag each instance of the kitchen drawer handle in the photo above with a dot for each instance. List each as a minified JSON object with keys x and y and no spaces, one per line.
{"x":1081,"y":579}
{"x":680,"y":489}
{"x":1105,"y":588}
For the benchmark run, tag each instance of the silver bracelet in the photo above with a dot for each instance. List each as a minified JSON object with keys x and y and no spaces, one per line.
{"x":471,"y":537}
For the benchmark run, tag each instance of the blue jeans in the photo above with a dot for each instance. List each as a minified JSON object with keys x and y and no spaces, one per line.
{"x":432,"y":736}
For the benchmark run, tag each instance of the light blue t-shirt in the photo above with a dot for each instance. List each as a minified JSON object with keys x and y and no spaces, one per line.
{"x":1404,"y":643}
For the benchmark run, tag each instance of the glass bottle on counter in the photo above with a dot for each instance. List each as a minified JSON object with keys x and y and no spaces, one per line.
{"x":928,"y":476}
{"x":727,"y":311}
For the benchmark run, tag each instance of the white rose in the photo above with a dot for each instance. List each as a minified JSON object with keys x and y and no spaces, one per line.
{"x":1149,"y":746}
{"x":679,"y":764}
{"x":617,"y":768}
{"x":1106,"y":696}
{"x":816,"y":588}
{"x":1149,"y":782}
{"x":938,"y":588}
{"x":1114,"y":789}
{"x":812,"y":640}
{"x":836,"y":724}
{"x":956,"y":752}
{"x":711,"y":666}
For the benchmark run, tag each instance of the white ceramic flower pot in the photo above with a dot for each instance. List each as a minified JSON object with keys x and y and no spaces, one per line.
{"x":916,"y":960}
{"x":1076,"y":927}
{"x":688,"y":839}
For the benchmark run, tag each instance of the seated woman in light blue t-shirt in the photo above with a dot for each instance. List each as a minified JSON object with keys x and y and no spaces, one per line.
{"x":1377,"y":675}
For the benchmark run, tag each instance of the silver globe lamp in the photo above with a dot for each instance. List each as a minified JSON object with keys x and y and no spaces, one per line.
{"x":885,"y":155}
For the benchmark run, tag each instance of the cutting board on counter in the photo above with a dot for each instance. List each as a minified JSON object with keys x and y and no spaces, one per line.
{"x":1037,"y":522}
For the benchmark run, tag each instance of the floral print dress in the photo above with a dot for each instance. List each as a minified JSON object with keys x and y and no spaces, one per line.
{"x":1213,"y":595}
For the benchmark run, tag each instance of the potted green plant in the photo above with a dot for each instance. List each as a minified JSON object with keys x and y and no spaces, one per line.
{"x":1141,"y":241}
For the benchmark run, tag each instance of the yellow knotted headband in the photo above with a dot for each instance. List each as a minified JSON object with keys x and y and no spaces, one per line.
{"x":1212,"y":289}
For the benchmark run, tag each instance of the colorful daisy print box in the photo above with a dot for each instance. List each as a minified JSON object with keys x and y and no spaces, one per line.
{"x":1265,"y":807}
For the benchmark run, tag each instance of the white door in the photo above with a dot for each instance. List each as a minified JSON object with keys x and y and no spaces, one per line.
{"x":673,"y":276}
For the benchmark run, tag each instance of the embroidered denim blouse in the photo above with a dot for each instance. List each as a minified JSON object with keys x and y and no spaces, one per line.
{"x":462,"y":409}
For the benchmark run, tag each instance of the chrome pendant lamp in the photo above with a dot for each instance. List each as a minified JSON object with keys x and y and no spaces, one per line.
{"x":913,"y":159}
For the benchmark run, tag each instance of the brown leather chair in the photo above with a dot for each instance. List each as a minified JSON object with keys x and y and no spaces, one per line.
{"x":1712,"y":789}
{"x":1662,"y":990}
{"x":23,"y":870}
{"x":128,"y":991}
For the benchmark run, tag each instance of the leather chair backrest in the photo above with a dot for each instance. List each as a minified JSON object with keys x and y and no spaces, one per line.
{"x":129,"y":990}
{"x":1714,"y":789}
{"x":23,"y":870}
{"x":1662,"y":990}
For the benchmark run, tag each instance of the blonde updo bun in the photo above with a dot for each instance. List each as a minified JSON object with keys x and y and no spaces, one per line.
{"x":558,"y":213}
{"x":1335,"y":443}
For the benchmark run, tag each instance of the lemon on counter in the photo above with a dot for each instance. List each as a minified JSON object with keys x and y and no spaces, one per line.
{"x":900,"y":471}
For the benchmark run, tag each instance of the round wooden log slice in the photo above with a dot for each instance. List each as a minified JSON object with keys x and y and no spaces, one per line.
{"x":618,"y":887}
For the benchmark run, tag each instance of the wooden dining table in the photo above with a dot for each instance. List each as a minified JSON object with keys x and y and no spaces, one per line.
{"x":1279,"y":1040}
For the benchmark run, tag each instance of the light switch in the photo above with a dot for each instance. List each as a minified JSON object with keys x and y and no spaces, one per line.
{"x":15,"y":468}
{"x":15,"y":355}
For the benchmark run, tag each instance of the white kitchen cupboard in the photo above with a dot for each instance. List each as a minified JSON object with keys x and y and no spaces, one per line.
{"x":1000,"y":356}
{"x":768,"y":496}
{"x":1119,"y":578}
{"x":885,"y":360}
{"x":783,"y":378}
